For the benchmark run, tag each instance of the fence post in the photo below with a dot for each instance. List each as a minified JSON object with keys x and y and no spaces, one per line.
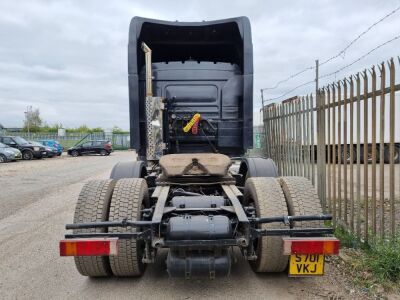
{"x":312,"y":141}
{"x":382,"y":152}
{"x":391,"y":149}
{"x":264,"y":122}
{"x":321,"y":181}
{"x":365,"y":156}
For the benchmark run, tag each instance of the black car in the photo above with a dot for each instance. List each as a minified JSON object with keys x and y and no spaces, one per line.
{"x":50,"y":152}
{"x":102,"y":147}
{"x":27,"y":149}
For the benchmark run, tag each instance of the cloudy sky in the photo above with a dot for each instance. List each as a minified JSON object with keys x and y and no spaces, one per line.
{"x":68,"y":58}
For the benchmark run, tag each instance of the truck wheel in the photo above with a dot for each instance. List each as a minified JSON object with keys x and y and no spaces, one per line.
{"x":93,"y":205}
{"x":27,"y":155}
{"x":266,"y":195}
{"x":301,"y":199}
{"x":129,"y":197}
{"x":396,"y":157}
{"x":346,"y":156}
{"x":103,"y":152}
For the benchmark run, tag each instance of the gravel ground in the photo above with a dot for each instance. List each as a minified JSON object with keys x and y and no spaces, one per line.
{"x":37,"y":198}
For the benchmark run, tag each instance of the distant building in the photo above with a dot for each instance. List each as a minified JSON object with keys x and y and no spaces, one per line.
{"x":9,"y":129}
{"x":13,"y":129}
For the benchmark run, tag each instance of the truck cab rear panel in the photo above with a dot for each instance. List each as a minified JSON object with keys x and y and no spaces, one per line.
{"x":204,"y":66}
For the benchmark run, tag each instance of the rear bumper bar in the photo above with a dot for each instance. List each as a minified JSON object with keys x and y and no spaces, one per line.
{"x":294,"y":232}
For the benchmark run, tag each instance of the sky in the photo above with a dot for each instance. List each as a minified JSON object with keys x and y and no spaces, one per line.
{"x":69,"y":58}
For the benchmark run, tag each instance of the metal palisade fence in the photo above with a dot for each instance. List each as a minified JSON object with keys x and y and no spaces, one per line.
{"x":346,"y":140}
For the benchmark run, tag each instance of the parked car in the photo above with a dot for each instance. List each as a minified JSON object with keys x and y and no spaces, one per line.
{"x":28,"y":150}
{"x":50,"y":152}
{"x":102,"y":147}
{"x":9,"y":154}
{"x":53,"y":144}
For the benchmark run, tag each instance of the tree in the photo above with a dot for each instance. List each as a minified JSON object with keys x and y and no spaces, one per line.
{"x":118,"y":130}
{"x":32,"y":121}
{"x":84,"y":129}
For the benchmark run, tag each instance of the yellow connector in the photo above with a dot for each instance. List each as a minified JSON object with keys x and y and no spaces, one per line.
{"x":191,"y":123}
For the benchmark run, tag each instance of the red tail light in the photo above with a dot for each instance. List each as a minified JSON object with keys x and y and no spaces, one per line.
{"x":89,"y":247}
{"x":323,"y":245}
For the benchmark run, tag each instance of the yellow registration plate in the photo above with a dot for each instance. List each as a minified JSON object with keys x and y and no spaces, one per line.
{"x":306,"y":264}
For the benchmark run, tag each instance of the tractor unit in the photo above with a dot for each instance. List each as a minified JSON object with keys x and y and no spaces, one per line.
{"x":192,"y":191}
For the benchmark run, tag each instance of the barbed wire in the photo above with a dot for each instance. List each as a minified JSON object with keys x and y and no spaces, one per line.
{"x":359,"y":36}
{"x":292,"y":90}
{"x":338,"y":70}
{"x":360,"y":58}
{"x":335,"y":56}
{"x":288,"y":78}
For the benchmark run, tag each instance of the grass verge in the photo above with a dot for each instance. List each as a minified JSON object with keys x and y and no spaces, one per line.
{"x":374,"y":266}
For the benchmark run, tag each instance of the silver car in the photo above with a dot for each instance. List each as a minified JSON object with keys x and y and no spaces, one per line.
{"x":8,"y":153}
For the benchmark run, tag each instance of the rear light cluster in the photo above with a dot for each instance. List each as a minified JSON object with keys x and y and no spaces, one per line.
{"x":324,"y":245}
{"x":89,"y":247}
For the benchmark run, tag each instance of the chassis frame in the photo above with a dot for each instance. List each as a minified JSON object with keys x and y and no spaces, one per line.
{"x":150,"y":230}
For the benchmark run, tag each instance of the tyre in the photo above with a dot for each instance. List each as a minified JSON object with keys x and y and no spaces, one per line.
{"x":396,"y":157}
{"x":74,"y":153}
{"x":368,"y":159}
{"x":3,"y":158}
{"x":103,"y":152}
{"x":346,"y":156}
{"x":129,"y":197}
{"x":266,"y":195}
{"x":92,"y":206}
{"x":27,"y":155}
{"x":301,"y":199}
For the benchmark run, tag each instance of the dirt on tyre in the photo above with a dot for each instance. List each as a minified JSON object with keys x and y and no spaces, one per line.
{"x":93,"y":206}
{"x":129,"y":197}
{"x":302,"y":199}
{"x":266,"y":195}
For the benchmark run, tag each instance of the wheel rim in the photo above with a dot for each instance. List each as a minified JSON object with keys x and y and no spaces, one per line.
{"x":2,"y":159}
{"x":27,"y":155}
{"x":74,"y":153}
{"x":103,"y":152}
{"x":346,"y":156}
{"x":396,"y":155}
